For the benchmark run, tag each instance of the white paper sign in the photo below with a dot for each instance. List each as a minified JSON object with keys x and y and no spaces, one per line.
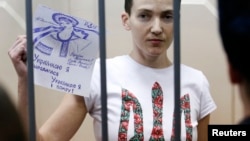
{"x":65,"y":50}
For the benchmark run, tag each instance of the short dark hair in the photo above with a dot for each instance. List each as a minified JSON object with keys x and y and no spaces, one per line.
{"x":128,"y":5}
{"x":12,"y":128}
{"x":234,"y":27}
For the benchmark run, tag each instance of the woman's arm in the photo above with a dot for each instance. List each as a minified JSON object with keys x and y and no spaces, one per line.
{"x":203,"y":128}
{"x":65,"y":121}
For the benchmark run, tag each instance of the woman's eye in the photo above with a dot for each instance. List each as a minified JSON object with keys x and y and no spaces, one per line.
{"x":168,"y":17}
{"x":143,"y":16}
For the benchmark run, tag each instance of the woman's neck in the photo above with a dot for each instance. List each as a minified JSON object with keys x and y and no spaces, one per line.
{"x":161,"y":61}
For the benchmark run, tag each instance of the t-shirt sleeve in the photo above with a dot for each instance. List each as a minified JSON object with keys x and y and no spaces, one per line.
{"x":207,"y":103}
{"x":93,"y":98}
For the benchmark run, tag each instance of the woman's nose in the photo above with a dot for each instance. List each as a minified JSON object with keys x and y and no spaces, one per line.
{"x":156,"y":27}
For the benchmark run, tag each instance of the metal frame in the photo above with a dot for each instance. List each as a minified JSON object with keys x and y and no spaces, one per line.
{"x":177,"y":113}
{"x":102,"y":40}
{"x":31,"y":92}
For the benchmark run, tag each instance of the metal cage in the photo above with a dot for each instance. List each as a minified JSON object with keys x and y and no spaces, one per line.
{"x":101,"y":12}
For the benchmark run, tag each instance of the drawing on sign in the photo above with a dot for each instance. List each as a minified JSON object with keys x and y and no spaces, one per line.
{"x":64,"y":48}
{"x":65,"y":32}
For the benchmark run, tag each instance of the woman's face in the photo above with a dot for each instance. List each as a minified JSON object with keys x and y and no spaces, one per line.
{"x":151,"y":25}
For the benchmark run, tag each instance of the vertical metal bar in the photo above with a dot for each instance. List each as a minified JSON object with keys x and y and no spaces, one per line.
{"x":177,"y":126}
{"x":102,"y":45}
{"x":31,"y":93}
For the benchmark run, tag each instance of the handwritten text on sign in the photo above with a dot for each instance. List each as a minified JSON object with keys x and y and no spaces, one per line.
{"x":65,"y":50}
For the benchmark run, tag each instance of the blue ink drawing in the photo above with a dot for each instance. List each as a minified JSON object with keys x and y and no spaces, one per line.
{"x":65,"y":30}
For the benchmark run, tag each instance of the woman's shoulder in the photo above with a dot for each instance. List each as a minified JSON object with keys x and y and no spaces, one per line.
{"x":113,"y":59}
{"x":193,"y":73}
{"x":189,"y":69}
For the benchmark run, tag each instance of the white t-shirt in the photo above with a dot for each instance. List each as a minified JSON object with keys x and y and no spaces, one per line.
{"x":140,"y":101}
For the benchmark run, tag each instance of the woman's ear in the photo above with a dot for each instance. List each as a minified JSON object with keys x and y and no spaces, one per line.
{"x":235,"y":76}
{"x":125,"y":21}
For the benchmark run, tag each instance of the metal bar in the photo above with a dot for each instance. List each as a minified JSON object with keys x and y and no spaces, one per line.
{"x":31,"y":93}
{"x":102,"y":45}
{"x":177,"y":126}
